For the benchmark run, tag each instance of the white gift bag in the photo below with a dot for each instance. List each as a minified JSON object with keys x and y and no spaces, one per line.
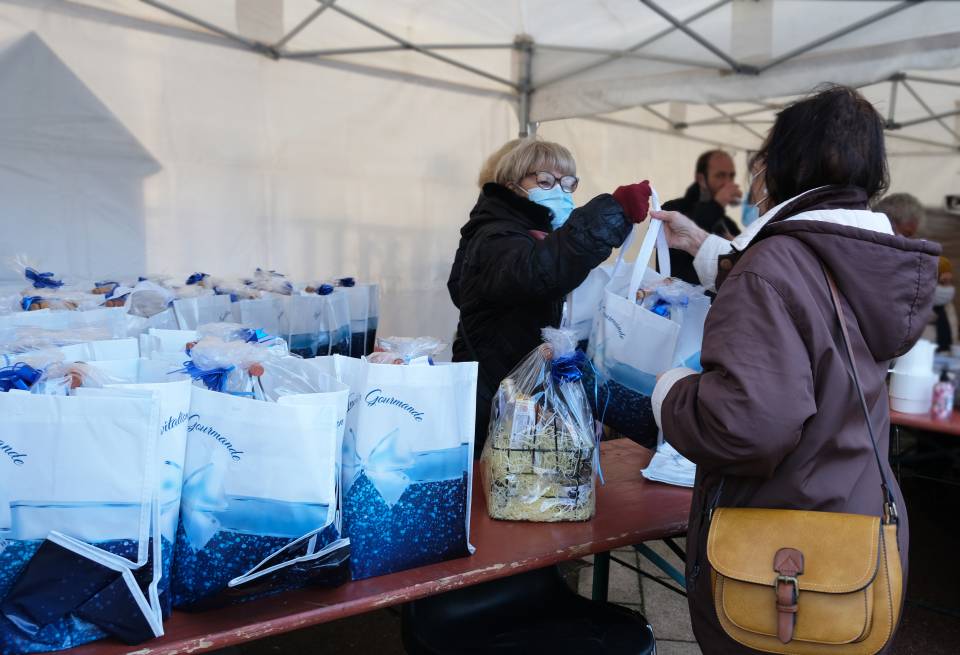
{"x":407,"y":463}
{"x":93,"y":351}
{"x":173,"y":391}
{"x":364,"y":300}
{"x":301,"y":324}
{"x":259,"y":477}
{"x":77,"y":481}
{"x":261,"y":314}
{"x":194,"y":312}
{"x":632,"y":345}
{"x":583,"y":303}
{"x":335,"y":338}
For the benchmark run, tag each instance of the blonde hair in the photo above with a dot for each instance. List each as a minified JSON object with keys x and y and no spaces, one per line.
{"x":489,"y":167}
{"x":531,"y":156}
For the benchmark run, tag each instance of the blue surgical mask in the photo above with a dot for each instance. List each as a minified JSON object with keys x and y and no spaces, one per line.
{"x":558,"y":201}
{"x":751,"y":212}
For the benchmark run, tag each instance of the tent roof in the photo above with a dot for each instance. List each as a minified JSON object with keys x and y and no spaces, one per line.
{"x":580,"y":58}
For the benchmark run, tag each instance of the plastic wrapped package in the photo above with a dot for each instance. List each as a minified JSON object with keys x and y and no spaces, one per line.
{"x":46,"y":372}
{"x":272,"y":282}
{"x":541,"y":456}
{"x":24,"y":339}
{"x":406,"y":350}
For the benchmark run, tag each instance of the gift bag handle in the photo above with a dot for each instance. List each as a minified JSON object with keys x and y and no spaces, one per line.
{"x":654,"y":238}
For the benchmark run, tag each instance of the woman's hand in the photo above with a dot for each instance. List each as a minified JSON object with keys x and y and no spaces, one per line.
{"x":681,"y":232}
{"x":635,"y":200}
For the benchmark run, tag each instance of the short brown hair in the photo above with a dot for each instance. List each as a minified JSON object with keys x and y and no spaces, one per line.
{"x":833,"y":137}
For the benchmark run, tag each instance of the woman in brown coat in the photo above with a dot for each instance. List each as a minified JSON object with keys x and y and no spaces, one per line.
{"x":774,"y":420}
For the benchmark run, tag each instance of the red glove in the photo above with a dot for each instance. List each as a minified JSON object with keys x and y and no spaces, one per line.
{"x":635,"y":200}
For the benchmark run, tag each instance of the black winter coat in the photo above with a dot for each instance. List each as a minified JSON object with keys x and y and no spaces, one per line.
{"x":509,"y":285}
{"x":709,"y":215}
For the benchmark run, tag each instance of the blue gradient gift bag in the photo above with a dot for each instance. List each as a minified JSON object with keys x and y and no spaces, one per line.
{"x":259,"y":508}
{"x":79,"y":557}
{"x":407,"y":463}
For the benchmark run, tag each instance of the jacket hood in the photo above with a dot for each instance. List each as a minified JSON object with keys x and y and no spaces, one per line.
{"x":497,"y":203}
{"x":887,"y":280}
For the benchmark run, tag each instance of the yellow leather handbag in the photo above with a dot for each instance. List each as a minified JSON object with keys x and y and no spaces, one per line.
{"x":792,"y":581}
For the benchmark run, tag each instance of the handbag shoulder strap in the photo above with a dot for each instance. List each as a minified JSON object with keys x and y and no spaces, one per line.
{"x":889,"y":502}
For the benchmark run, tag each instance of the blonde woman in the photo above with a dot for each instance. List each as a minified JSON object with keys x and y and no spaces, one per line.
{"x":525,"y":247}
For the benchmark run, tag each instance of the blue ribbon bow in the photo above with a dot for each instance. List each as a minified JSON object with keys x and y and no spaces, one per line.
{"x":29,"y":300}
{"x":325,"y":290}
{"x":567,"y":368}
{"x":19,"y":376}
{"x":214,"y":379}
{"x":347,"y":282}
{"x":41,"y":280}
{"x":196,"y":278}
{"x":255,"y":336}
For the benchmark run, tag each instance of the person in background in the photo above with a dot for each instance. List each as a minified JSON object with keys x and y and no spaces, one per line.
{"x":705,"y":201}
{"x":944,"y":314}
{"x":524,"y":248}
{"x":904,"y":211}
{"x":774,"y":419}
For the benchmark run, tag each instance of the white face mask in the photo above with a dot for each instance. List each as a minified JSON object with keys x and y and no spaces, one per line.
{"x":943,"y":295}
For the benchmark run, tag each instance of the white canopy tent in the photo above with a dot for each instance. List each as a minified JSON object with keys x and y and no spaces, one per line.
{"x":344,"y":136}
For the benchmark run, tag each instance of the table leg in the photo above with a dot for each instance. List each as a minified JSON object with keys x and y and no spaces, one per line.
{"x":601,"y":576}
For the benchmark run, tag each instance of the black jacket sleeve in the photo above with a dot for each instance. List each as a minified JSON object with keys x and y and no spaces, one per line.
{"x":518,"y":268}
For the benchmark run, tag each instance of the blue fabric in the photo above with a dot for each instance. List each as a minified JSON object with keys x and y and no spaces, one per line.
{"x":19,"y":376}
{"x":42,"y":280}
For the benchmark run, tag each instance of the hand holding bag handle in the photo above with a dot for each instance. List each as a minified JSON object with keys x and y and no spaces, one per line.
{"x":654,"y":237}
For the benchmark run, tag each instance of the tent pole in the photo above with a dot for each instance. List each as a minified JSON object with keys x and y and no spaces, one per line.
{"x":618,"y":54}
{"x":324,"y":5}
{"x":735,"y":121}
{"x":926,"y":142}
{"x":253,"y":45}
{"x":869,"y":20}
{"x":932,"y":117}
{"x":930,"y":80}
{"x":893,"y":101}
{"x":524,"y":48}
{"x":332,"y":52}
{"x":615,"y":55}
{"x":416,"y":48}
{"x":660,"y":130}
{"x":724,"y":121}
{"x":736,"y":66}
{"x":930,"y":112}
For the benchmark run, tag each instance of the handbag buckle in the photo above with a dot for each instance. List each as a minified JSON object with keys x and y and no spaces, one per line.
{"x":790,"y":579}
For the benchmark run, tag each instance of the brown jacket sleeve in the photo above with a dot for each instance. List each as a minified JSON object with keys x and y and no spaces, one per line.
{"x":746,"y":411}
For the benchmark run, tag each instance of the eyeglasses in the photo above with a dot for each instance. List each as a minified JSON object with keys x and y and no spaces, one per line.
{"x":547,"y":180}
